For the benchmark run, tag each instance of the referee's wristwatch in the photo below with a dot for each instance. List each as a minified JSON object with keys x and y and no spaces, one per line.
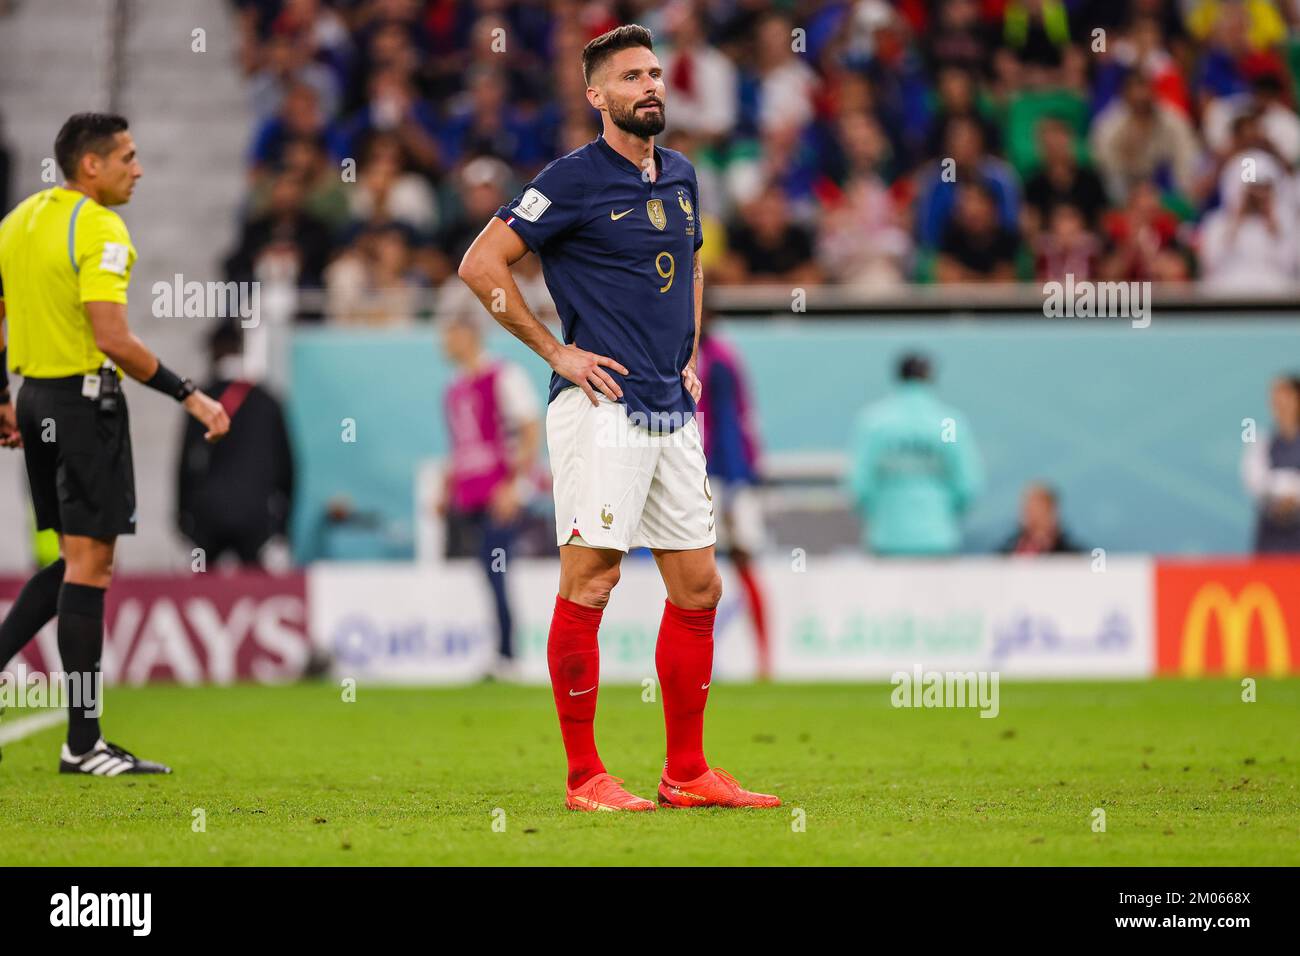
{"x":186,"y":389}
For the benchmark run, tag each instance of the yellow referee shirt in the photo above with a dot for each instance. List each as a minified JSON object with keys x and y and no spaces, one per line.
{"x":58,"y":249}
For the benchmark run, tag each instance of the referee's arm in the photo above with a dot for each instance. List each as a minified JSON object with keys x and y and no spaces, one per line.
{"x":116,"y":340}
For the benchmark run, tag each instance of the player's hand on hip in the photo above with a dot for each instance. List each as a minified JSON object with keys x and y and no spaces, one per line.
{"x":584,"y":369}
{"x":692,"y":381}
{"x":210,"y":415}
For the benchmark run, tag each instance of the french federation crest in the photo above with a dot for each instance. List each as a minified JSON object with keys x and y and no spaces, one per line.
{"x":655,"y":210}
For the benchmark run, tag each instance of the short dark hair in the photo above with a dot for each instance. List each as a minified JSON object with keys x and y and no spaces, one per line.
{"x":85,"y":133}
{"x":607,"y":44}
{"x":226,"y":338}
{"x":914,"y":367}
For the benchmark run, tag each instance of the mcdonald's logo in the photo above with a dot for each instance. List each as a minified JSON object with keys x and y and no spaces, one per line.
{"x":1256,"y":601}
{"x":1228,"y":618}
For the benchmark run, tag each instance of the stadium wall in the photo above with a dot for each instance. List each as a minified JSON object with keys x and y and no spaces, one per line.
{"x":1140,"y":429}
{"x":838,"y":619}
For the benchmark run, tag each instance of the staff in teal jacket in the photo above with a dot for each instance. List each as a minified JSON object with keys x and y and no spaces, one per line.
{"x":914,"y":469}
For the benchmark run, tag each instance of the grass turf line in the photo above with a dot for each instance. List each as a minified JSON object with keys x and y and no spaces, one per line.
{"x":1187,"y":773}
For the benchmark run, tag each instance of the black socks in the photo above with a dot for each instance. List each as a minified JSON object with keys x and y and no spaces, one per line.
{"x":81,"y":641}
{"x":37,"y":603}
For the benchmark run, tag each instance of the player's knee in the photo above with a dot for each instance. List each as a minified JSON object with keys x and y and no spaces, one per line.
{"x":705,"y":594}
{"x":92,"y":571}
{"x":714,"y":592}
{"x":596,"y":590}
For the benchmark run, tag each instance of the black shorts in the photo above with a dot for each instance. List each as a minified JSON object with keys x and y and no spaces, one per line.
{"x":78,"y":459}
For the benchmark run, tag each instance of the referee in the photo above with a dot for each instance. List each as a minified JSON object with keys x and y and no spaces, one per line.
{"x":65,"y":263}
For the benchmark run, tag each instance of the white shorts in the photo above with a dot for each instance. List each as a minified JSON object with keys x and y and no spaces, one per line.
{"x":741,"y":517}
{"x":617,"y":485}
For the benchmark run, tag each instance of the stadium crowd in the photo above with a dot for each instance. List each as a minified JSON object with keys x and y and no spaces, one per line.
{"x":859,"y":143}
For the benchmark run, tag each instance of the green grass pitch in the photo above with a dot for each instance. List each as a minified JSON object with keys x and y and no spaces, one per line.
{"x":1186,"y":773}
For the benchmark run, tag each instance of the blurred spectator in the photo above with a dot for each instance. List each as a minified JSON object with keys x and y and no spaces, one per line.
{"x":318,"y":27}
{"x":393,"y":107}
{"x":324,"y":194}
{"x":1061,"y":179}
{"x":1257,"y":22}
{"x":388,"y":191}
{"x":299,"y":117}
{"x":863,"y":239}
{"x":786,"y":83}
{"x":1137,"y":138}
{"x":1040,"y":530}
{"x":1246,"y":135}
{"x":388,"y":44}
{"x":1270,"y":470}
{"x":976,"y":247}
{"x":286,"y":243}
{"x":886,"y":108}
{"x":913,"y":468}
{"x":1142,"y":240}
{"x":700,"y":80}
{"x":958,"y":37}
{"x":1249,"y":244}
{"x":767,"y":246}
{"x":1144,"y":47}
{"x":965,"y":161}
{"x":956,"y":91}
{"x":1067,"y":247}
{"x":1266,"y":101}
{"x":375,"y":282}
{"x":484,"y":122}
{"x":234,"y":496}
{"x":287,"y":63}
{"x":1037,"y":32}
{"x":482,"y":187}
{"x":495,"y":428}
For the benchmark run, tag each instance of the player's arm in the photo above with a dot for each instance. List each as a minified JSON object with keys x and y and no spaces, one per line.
{"x":690,"y":374}
{"x":486,"y":270}
{"x":116,"y":340}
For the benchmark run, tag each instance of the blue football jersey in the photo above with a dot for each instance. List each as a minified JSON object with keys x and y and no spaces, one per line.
{"x":617,"y":254}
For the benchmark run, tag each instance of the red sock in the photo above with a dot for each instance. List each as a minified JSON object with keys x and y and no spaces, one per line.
{"x":574,"y":655}
{"x":684,"y":659}
{"x":757,"y":614}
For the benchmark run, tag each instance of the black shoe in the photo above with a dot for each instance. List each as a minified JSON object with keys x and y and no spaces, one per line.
{"x":107,"y":760}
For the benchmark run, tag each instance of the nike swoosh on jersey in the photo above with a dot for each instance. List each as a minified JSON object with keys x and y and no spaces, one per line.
{"x":620,"y":215}
{"x":579,"y":693}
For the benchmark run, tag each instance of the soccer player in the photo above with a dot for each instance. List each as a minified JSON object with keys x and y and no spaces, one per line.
{"x":615,"y":226}
{"x":496,"y":432}
{"x":731,"y":448}
{"x":65,"y":263}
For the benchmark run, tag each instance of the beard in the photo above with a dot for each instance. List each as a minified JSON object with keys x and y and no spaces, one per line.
{"x":644,"y":126}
